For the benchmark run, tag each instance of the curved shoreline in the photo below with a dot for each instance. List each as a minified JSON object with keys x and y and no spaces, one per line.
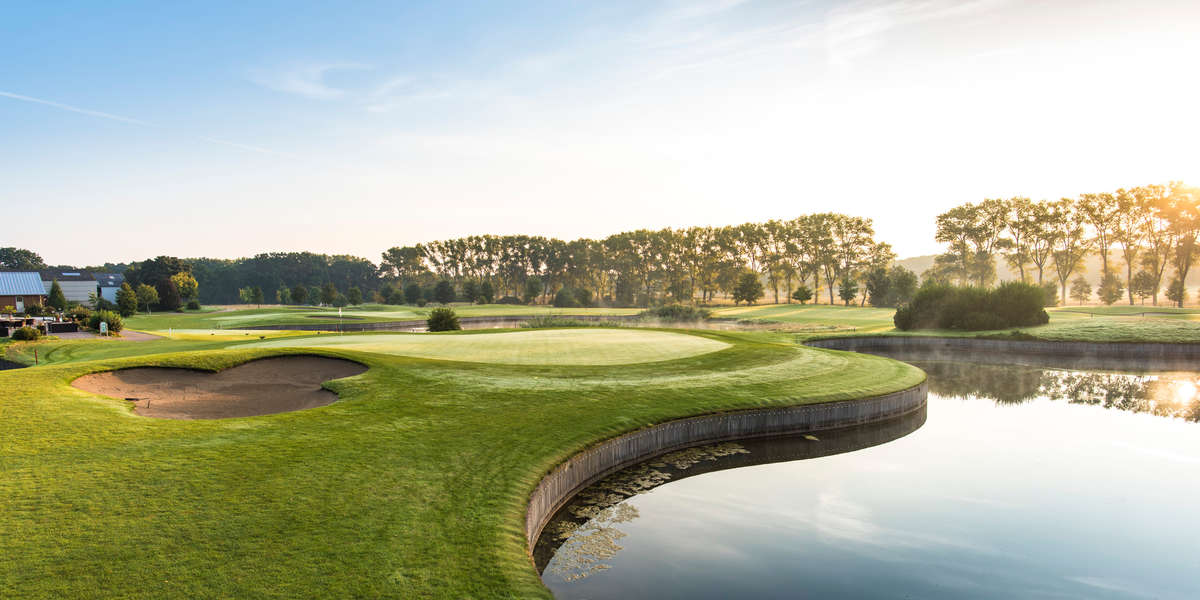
{"x":1098,"y":355}
{"x":597,"y":462}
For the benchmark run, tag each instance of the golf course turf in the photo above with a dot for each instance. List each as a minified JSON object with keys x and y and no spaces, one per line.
{"x":413,"y":484}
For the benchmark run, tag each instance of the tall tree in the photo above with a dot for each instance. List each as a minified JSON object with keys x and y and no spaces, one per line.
{"x":1071,"y":243}
{"x":1129,"y":231}
{"x":1102,"y":212}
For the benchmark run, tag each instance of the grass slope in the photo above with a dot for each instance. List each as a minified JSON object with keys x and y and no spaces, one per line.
{"x":413,"y":485}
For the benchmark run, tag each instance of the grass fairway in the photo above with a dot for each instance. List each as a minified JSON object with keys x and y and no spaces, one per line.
{"x":535,"y":347}
{"x":413,"y":485}
{"x":312,"y":315}
{"x":862,"y":319}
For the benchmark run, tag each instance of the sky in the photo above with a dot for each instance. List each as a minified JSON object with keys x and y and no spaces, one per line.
{"x":130,"y":130}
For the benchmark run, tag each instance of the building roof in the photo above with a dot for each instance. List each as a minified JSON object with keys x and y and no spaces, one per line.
{"x":21,"y":283}
{"x":110,"y":279}
{"x":64,"y":276}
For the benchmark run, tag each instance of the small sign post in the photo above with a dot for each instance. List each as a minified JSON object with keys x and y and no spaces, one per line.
{"x":103,"y":327}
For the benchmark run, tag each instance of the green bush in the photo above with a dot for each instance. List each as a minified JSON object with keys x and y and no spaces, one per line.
{"x":509,"y":300}
{"x":443,"y":319}
{"x":973,"y":309}
{"x":34,"y":310}
{"x":114,"y":320}
{"x":193,"y":305}
{"x":26,"y":334}
{"x":79,"y":313}
{"x":676,"y":313}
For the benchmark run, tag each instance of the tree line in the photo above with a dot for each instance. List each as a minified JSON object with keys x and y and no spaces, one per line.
{"x":818,"y":252}
{"x":1140,"y":234}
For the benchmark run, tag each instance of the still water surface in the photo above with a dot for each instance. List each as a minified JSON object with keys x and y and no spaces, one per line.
{"x":1019,"y":482}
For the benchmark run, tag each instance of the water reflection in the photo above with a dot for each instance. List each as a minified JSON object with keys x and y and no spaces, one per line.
{"x":585,"y":535}
{"x":1164,"y":394}
{"x":1024,"y":483}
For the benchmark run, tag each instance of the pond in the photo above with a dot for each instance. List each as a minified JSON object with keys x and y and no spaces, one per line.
{"x":1017,"y":482}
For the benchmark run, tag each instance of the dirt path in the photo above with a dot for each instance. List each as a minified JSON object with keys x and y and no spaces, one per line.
{"x":261,"y":387}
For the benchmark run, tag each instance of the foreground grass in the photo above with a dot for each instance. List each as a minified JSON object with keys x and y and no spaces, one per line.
{"x":413,"y":485}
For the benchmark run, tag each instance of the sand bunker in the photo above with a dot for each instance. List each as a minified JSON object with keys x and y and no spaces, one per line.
{"x":261,"y":387}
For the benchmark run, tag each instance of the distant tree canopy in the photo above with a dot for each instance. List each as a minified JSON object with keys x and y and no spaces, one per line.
{"x":1155,"y":227}
{"x":645,"y":266}
{"x":20,"y":259}
{"x":220,"y":279}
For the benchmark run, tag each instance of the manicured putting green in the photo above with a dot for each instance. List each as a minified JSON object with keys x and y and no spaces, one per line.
{"x":537,"y":347}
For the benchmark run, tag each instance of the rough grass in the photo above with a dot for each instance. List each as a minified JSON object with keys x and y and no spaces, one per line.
{"x":592,"y":346}
{"x":412,"y":486}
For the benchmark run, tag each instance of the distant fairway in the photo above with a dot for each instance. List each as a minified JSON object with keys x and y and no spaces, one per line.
{"x":538,"y":347}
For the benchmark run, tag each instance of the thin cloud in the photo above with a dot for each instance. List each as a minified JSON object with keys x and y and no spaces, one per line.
{"x":855,"y":30}
{"x":307,"y":80}
{"x":75,"y":109}
{"x":129,"y":120}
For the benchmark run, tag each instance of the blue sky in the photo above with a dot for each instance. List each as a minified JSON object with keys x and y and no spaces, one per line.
{"x":226,"y":129}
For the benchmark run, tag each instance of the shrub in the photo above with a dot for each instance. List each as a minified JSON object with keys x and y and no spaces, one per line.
{"x":938,"y":306}
{"x":566,"y":298}
{"x":1111,"y":289}
{"x":115,"y":322}
{"x":802,"y":294}
{"x":193,"y":305}
{"x":103,"y":304}
{"x":26,"y":334}
{"x":79,"y":313}
{"x":34,"y":310}
{"x":676,"y":313}
{"x":583,"y":297}
{"x":509,"y":300}
{"x":443,"y":319}
{"x":748,"y":289}
{"x":1177,"y":291}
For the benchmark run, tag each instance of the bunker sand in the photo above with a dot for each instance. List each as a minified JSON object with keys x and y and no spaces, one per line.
{"x":260,"y":387}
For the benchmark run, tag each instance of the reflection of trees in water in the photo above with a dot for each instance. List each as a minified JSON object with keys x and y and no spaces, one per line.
{"x":1005,"y":384}
{"x":1163,"y":395}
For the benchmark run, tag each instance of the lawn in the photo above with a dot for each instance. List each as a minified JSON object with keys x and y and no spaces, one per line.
{"x":598,"y":346}
{"x":414,"y":484}
{"x":1088,"y":323}
{"x":312,"y":315}
{"x":860,"y":319}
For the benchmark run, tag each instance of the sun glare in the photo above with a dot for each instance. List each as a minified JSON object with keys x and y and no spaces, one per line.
{"x":1185,"y":392}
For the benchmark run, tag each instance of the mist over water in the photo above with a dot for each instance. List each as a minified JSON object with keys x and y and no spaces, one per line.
{"x":1023,"y":482}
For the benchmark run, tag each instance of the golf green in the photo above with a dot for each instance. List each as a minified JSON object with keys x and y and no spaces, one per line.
{"x":535,"y":347}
